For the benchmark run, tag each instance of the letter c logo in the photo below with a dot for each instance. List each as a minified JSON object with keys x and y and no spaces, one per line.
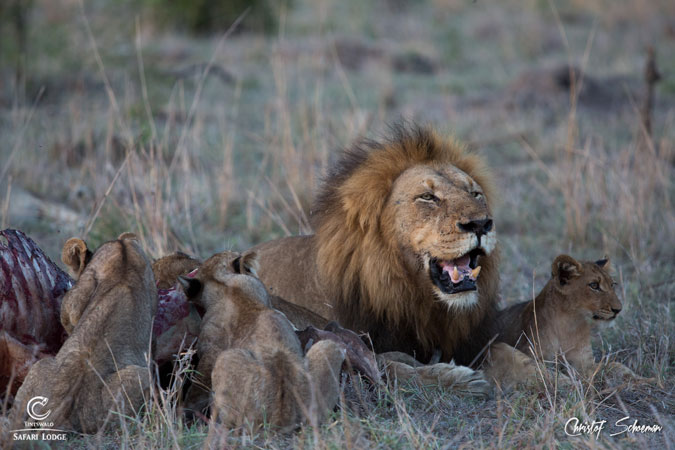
{"x":39,"y":402}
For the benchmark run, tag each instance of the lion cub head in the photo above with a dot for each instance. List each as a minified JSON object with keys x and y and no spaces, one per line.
{"x":77,"y":256}
{"x":585,"y":287}
{"x":227,"y":275}
{"x":168,"y":268}
{"x":118,"y":262}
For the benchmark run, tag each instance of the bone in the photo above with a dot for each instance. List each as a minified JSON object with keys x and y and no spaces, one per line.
{"x":358,"y":354}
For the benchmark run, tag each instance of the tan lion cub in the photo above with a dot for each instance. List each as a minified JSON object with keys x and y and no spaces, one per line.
{"x":103,"y":365}
{"x":560,"y":319}
{"x":251,"y":354}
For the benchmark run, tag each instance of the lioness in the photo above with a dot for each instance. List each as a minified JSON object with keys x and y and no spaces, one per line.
{"x":103,"y":365}
{"x":558,"y":322}
{"x":250,"y":354}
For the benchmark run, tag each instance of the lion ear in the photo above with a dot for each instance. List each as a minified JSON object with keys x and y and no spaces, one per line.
{"x":246,"y":264}
{"x":192,"y":287}
{"x":249,"y":263}
{"x":604,"y":263}
{"x":75,"y":255}
{"x":127,"y":235}
{"x":564,"y":268}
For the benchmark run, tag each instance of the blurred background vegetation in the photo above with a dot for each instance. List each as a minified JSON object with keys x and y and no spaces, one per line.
{"x":121,"y":115}
{"x":214,"y":16}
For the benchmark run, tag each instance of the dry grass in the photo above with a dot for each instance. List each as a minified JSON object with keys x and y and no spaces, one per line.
{"x":202,"y":145}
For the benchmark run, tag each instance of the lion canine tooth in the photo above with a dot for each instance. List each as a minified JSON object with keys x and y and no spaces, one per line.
{"x":475,"y":272}
{"x":455,"y":274}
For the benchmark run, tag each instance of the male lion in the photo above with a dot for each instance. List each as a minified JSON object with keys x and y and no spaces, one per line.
{"x":558,"y":322}
{"x":404,"y":249}
{"x":250,"y":355}
{"x":103,"y":365}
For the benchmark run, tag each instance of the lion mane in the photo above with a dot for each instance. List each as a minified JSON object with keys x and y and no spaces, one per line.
{"x":361,"y":265}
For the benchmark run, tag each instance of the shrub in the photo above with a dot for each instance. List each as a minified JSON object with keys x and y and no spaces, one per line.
{"x":216,"y":16}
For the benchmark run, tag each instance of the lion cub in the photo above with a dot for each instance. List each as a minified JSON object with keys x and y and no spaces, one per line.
{"x":560,"y":319}
{"x":103,"y":365}
{"x":251,"y":355}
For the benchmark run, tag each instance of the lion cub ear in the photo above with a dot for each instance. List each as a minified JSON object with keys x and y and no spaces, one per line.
{"x":127,"y":235}
{"x":564,"y":268}
{"x":192,"y":287}
{"x":246,"y":264}
{"x":604,"y":263}
{"x":75,"y":255}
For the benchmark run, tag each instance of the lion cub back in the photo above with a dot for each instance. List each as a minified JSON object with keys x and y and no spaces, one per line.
{"x":251,"y":352}
{"x":103,"y":365}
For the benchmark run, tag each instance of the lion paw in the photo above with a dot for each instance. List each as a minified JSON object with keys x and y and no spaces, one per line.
{"x":617,"y":374}
{"x":446,"y":375}
{"x":461,"y":379}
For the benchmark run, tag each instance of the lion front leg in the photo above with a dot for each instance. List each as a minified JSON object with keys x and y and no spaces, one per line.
{"x":324,"y":361}
{"x":447,"y":375}
{"x":616,"y":373}
{"x":509,"y":367}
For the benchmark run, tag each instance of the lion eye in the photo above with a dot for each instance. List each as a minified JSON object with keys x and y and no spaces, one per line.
{"x":428,"y":197}
{"x":594,"y":285}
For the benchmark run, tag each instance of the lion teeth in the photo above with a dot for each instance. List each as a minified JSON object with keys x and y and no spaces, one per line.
{"x":454,"y":275}
{"x":475,"y":272}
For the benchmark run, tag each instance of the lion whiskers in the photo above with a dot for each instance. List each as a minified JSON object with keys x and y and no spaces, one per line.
{"x":464,"y":245}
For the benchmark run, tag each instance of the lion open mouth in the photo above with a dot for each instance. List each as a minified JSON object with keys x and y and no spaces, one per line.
{"x":456,"y":275}
{"x":604,"y":317}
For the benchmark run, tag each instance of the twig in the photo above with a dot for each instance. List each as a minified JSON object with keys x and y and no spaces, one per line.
{"x":5,"y":205}
{"x":180,"y":147}
{"x":106,"y":81}
{"x":216,"y":70}
{"x":17,"y":145}
{"x":94,"y":216}
{"x":652,"y":76}
{"x":518,"y":136}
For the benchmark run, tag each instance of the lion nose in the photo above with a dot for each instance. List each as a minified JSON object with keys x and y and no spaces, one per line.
{"x":616,"y":311}
{"x":480,"y":227}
